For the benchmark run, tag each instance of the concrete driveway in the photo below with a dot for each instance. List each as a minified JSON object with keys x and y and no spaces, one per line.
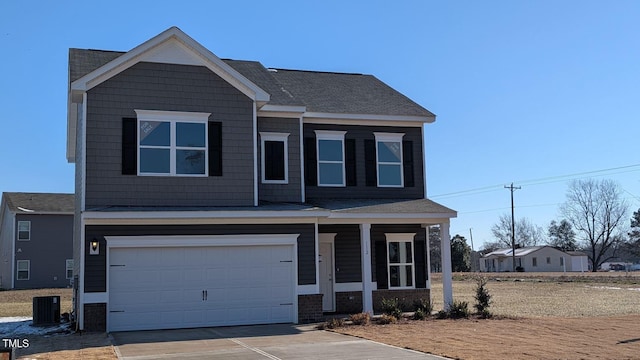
{"x":253,"y":342}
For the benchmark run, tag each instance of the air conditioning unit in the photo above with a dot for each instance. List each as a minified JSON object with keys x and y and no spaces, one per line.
{"x":46,"y":310}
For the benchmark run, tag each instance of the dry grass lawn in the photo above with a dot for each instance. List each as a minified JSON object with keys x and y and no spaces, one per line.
{"x":544,"y":316}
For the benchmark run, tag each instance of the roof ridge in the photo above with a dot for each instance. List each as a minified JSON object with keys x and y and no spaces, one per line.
{"x":318,"y":71}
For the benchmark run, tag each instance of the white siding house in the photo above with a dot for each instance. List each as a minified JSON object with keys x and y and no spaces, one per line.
{"x":535,"y":259}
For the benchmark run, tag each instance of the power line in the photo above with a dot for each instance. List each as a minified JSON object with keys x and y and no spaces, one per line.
{"x":539,"y":181}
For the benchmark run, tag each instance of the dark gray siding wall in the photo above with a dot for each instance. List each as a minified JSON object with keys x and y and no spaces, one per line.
{"x":282,"y":192}
{"x":347,"y":251}
{"x":361,"y":191}
{"x":50,"y":246}
{"x":379,"y":253}
{"x":169,"y":87}
{"x":96,"y":265}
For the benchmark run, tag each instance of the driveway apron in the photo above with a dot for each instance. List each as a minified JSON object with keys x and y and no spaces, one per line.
{"x":275,"y":342}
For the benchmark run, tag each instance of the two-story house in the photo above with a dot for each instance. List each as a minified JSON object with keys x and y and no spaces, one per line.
{"x":36,"y":240}
{"x":220,"y":192}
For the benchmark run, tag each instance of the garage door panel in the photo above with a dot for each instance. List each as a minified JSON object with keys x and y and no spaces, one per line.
{"x":162,"y":288}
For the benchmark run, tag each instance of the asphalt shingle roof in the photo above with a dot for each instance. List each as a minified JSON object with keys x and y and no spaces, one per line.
{"x":324,"y":92}
{"x":26,"y":203}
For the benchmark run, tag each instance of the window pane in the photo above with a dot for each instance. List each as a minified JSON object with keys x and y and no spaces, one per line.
{"x":329,"y":150}
{"x":274,"y":160}
{"x":330,"y":174}
{"x":190,"y":161}
{"x":155,"y":133}
{"x":154,"y":161}
{"x":394,"y":256}
{"x":23,"y":275}
{"x":23,"y":265}
{"x":190,"y":134}
{"x":24,"y":225}
{"x":394,"y":276}
{"x":389,"y":151}
{"x":401,"y":276}
{"x":390,"y":175}
{"x":406,"y":278}
{"x":405,"y":253}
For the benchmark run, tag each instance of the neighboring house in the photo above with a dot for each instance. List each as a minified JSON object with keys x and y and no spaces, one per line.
{"x":535,"y":259}
{"x":219,"y":192}
{"x":36,"y":240}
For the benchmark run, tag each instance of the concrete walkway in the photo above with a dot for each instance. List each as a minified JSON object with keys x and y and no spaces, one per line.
{"x":261,"y":342}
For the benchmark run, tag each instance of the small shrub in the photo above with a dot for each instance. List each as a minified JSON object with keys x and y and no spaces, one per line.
{"x":425,"y":305}
{"x":483,"y":298}
{"x":360,"y":319}
{"x":334,"y":323}
{"x":387,"y":319}
{"x":458,"y":310}
{"x":391,"y":307}
{"x":419,"y":314}
{"x":442,"y":314}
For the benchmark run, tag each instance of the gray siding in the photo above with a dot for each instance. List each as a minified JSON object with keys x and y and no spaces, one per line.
{"x":51,"y":244}
{"x":96,"y":265}
{"x":282,"y":192}
{"x":169,"y":87}
{"x":361,"y":191}
{"x":6,"y":248}
{"x":347,"y":251}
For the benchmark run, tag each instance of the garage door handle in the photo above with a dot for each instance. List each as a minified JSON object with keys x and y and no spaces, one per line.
{"x":116,"y":265}
{"x":286,"y":260}
{"x":116,"y":311}
{"x":206,"y":295}
{"x":286,"y":304}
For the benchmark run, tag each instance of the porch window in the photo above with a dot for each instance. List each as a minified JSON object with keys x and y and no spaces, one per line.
{"x":330,"y":149}
{"x":172,"y":143}
{"x":24,"y":230}
{"x":401,"y":267}
{"x":24,"y":269}
{"x":389,"y":159}
{"x":69,"y":268}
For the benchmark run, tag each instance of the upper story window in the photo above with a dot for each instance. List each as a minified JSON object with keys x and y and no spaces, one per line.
{"x":24,"y":230}
{"x":68,"y":264}
{"x":401,"y":261}
{"x":330,"y":150}
{"x":274,"y":157}
{"x":389,"y":159}
{"x":172,"y":143}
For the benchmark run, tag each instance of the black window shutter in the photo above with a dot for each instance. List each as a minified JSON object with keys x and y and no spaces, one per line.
{"x":350,"y":159}
{"x":274,"y":160}
{"x":310,"y":162}
{"x":129,"y":146}
{"x":370,"y":163}
{"x":420,"y":264}
{"x":215,"y":148}
{"x":381,"y":265}
{"x":407,"y":157}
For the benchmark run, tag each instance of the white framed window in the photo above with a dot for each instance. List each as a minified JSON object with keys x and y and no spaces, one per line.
{"x":24,"y":230}
{"x":389,"y":159}
{"x":400,"y":261}
{"x":274,"y":157}
{"x":534,"y":261}
{"x":69,"y":268}
{"x":24,"y":269}
{"x":172,"y":143}
{"x":330,"y":150}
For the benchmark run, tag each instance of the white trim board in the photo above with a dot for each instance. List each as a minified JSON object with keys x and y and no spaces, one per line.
{"x":201,"y":240}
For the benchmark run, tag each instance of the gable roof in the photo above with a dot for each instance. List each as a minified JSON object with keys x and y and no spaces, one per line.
{"x":39,"y":203}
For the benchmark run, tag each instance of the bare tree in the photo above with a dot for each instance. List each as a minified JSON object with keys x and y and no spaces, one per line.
{"x":597,"y":211}
{"x":527,"y":234}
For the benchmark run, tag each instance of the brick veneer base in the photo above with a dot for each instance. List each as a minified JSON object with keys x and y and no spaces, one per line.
{"x":349,"y":302}
{"x":309,"y":308}
{"x":405,"y":298}
{"x":95,"y":317}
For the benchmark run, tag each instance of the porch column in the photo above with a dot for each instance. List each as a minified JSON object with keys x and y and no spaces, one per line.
{"x":445,"y":250}
{"x":426,"y":234}
{"x":365,"y":256}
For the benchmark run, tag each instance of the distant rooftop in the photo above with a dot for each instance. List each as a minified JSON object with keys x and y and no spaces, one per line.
{"x":34,"y":203}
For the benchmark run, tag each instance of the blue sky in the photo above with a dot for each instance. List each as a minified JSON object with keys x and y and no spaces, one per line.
{"x":525,"y":91}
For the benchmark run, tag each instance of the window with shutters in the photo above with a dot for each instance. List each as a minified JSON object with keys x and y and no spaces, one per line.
{"x":400,"y":264}
{"x":331,"y":158}
{"x":389,"y":159}
{"x":172,"y":143}
{"x":274,"y":158}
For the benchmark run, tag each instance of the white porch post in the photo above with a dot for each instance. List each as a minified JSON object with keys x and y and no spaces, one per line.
{"x":365,"y":256}
{"x":426,"y":234}
{"x":445,"y":250}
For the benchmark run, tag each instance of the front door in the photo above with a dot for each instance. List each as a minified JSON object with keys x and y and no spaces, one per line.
{"x":326,"y":276}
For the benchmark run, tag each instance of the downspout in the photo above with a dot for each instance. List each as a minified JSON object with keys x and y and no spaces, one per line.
{"x":255,"y":154}
{"x":302,"y":190}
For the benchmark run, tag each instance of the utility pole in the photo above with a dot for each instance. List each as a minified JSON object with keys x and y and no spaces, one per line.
{"x":513,"y":226}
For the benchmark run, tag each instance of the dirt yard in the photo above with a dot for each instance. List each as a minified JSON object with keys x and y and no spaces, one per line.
{"x":541,"y":316}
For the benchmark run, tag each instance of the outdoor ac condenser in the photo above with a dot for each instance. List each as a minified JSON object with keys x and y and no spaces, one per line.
{"x":46,"y":310}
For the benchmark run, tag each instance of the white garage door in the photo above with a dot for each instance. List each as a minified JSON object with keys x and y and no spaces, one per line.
{"x":169,"y":287}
